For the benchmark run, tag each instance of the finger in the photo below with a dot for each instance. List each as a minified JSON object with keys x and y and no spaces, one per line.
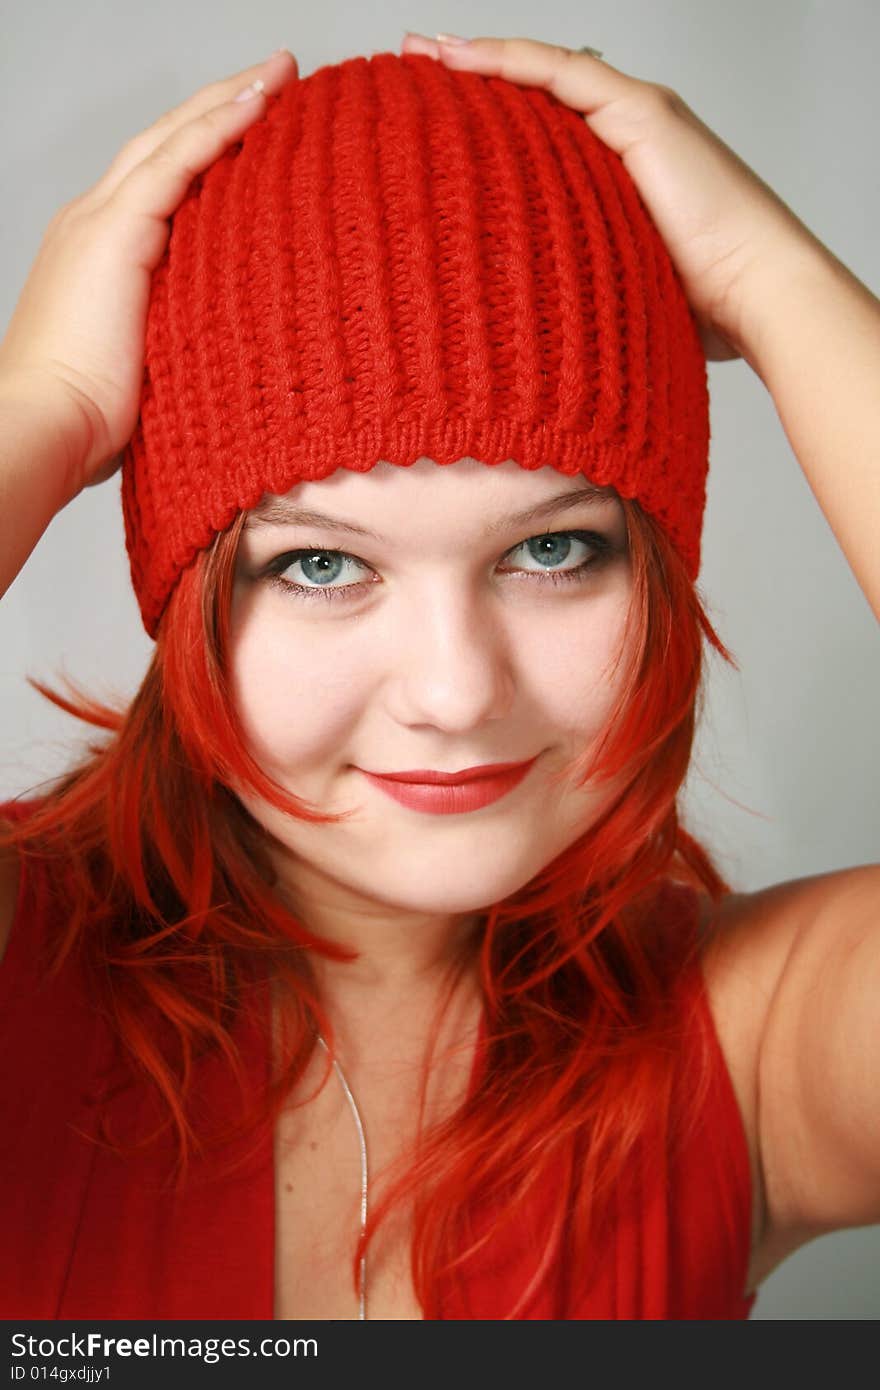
{"x":580,"y":80}
{"x":156,"y":186}
{"x":274,"y":73}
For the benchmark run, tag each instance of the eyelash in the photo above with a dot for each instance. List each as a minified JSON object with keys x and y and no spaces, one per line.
{"x":601,"y":546}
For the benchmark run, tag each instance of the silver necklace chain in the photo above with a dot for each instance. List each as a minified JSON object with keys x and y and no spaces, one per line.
{"x":362,"y":1279}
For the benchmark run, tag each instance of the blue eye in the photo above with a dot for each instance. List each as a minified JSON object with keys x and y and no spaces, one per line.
{"x":321,"y":568}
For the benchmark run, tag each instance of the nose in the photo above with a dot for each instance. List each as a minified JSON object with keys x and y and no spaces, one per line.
{"x":452,"y":664}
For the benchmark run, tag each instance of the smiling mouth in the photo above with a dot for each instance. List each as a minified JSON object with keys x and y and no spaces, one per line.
{"x":430,"y":778}
{"x":450,"y":798}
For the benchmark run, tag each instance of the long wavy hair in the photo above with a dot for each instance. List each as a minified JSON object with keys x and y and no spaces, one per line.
{"x":171,"y":898}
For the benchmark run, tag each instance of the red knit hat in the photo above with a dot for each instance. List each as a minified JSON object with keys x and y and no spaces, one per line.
{"x":402,"y":261}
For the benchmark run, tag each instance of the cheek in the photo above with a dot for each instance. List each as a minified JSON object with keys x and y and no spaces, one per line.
{"x":571,"y":671}
{"x":296,"y":704}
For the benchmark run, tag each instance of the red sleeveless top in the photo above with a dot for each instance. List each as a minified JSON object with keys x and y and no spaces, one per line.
{"x":87,"y":1234}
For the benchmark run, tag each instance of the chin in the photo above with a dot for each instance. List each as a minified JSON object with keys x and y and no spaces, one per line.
{"x":441,"y":889}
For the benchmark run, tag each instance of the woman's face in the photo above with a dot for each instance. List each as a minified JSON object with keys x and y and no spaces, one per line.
{"x":455,"y":636}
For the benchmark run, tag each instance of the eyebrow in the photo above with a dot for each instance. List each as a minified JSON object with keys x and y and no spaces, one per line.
{"x":285,"y":513}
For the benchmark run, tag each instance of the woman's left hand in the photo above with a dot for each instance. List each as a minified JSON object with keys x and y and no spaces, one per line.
{"x":731,"y":238}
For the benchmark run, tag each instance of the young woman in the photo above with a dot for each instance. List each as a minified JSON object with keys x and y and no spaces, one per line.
{"x":364,"y":967}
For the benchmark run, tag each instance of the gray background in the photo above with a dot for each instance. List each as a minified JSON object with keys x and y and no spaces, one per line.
{"x":785,"y":778}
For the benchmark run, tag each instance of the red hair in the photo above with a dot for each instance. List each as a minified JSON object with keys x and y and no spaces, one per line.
{"x":171,"y":895}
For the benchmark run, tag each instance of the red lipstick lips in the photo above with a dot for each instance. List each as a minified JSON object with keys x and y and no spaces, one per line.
{"x":451,"y":793}
{"x":467,"y":774}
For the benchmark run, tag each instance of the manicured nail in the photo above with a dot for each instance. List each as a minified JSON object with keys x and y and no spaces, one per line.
{"x":250,"y":92}
{"x":450,"y":38}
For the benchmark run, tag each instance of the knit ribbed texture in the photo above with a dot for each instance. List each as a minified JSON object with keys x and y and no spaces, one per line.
{"x":402,"y":261}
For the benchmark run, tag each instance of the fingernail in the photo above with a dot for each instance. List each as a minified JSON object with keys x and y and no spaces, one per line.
{"x":450,"y":38}
{"x":251,"y":91}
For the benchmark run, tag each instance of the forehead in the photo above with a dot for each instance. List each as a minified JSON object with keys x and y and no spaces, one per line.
{"x":466,"y":492}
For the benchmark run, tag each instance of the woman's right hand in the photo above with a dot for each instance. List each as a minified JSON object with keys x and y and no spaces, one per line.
{"x":76,"y":341}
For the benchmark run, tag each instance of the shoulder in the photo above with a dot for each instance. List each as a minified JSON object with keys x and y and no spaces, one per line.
{"x":764,"y":955}
{"x":746,"y":940}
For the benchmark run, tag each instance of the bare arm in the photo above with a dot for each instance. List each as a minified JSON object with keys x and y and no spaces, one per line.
{"x":71,"y":360}
{"x":819,"y":1063}
{"x":42,"y":440}
{"x":38,"y":462}
{"x":813,"y":337}
{"x":815,"y":343}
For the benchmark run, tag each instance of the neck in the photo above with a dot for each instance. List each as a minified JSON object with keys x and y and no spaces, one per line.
{"x":399,"y":951}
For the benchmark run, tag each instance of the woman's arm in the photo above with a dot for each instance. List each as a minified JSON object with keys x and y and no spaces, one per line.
{"x":811,"y":331}
{"x":820,"y":1061}
{"x":39,"y":456}
{"x":759,"y":283}
{"x":71,"y":358}
{"x":813,"y":337}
